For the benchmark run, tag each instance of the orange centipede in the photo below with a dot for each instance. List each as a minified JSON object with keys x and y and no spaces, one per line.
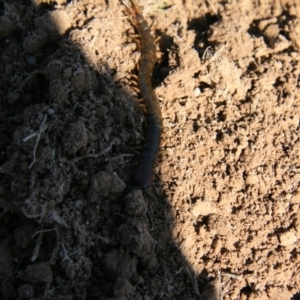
{"x":144,"y":173}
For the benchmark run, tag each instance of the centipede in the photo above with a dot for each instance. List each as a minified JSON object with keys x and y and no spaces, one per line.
{"x":144,"y":174}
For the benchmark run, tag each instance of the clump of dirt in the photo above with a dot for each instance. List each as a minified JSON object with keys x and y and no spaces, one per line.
{"x":221,"y":220}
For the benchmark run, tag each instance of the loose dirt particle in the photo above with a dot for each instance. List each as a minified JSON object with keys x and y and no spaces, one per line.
{"x":75,"y":137}
{"x":104,"y":183}
{"x":288,"y":238}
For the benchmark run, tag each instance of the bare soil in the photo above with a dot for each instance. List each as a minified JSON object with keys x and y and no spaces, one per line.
{"x":221,"y":220}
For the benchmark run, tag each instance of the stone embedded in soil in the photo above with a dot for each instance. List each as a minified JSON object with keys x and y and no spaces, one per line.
{"x":40,"y":272}
{"x":75,"y":137}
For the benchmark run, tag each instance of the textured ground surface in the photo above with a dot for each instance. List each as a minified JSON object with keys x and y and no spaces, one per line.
{"x":223,"y":213}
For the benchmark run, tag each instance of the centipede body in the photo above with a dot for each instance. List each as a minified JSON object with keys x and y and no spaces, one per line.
{"x":144,"y":173}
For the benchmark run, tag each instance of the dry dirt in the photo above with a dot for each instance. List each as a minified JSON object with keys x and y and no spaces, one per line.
{"x":221,"y":220}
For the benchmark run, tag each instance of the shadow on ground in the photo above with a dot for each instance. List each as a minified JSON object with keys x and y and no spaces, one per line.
{"x":72,"y":225}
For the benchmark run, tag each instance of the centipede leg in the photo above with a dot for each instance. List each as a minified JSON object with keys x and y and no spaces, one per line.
{"x":144,"y":174}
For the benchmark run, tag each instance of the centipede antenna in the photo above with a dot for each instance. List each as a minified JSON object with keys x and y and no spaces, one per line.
{"x":128,"y":7}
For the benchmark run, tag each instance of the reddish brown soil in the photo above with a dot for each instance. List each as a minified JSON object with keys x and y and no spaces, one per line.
{"x":222,"y":218}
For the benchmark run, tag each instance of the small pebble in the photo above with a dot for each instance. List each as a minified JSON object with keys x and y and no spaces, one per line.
{"x":50,"y":111}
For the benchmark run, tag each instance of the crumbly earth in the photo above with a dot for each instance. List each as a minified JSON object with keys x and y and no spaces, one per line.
{"x":221,"y":220}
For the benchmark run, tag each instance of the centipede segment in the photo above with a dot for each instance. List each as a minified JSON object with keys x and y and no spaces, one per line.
{"x":144,"y":174}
